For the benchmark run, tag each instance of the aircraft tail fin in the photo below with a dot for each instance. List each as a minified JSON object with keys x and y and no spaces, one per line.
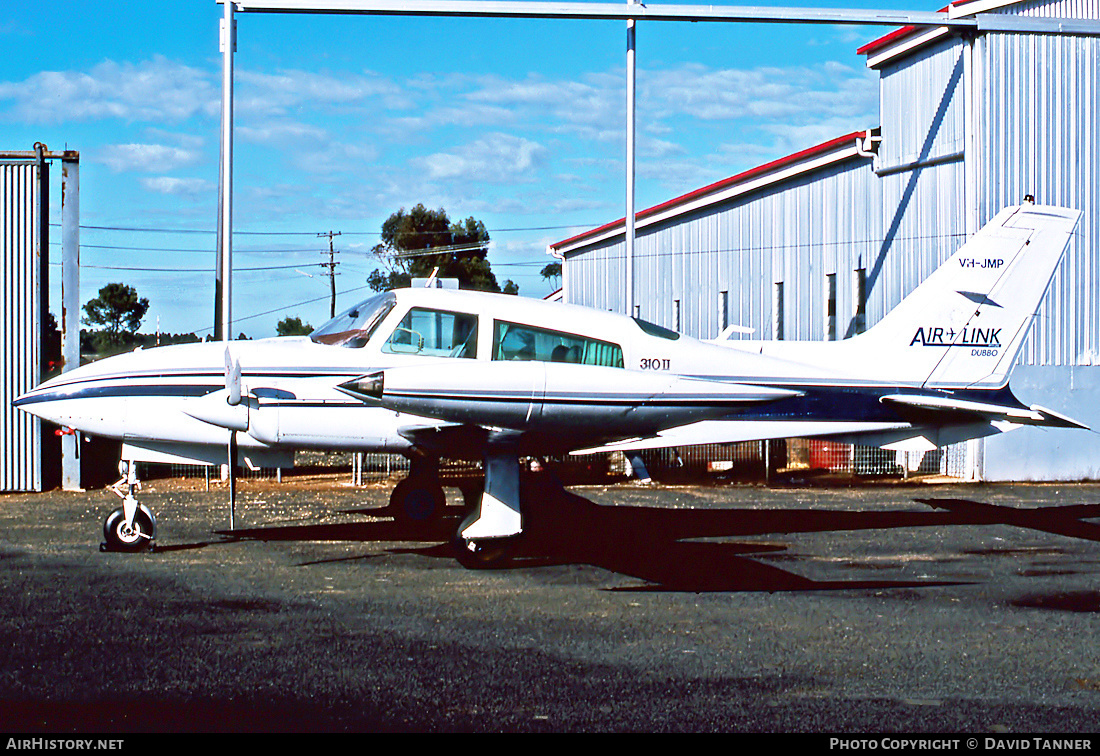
{"x":964,"y":325}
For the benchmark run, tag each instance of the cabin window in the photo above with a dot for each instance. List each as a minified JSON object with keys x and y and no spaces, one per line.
{"x":512,"y":341}
{"x":434,"y":333}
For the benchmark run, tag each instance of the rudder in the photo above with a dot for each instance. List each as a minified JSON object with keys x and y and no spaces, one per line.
{"x":965,"y":324}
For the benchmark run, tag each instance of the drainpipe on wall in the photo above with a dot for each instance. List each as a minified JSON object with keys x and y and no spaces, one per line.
{"x":975,"y":448}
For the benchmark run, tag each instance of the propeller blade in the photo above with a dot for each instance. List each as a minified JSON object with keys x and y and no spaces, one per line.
{"x":232,"y":379}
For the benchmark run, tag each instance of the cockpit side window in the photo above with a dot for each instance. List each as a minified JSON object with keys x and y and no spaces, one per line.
{"x":512,"y":341}
{"x":434,"y":333}
{"x":353,"y":327}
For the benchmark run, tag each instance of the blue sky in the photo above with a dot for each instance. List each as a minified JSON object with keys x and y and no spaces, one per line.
{"x":341,"y":121}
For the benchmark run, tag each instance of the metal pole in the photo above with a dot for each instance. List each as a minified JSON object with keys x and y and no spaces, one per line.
{"x":972,"y":91}
{"x":37,"y":341}
{"x":70,"y":306}
{"x":42,"y":171}
{"x":630,"y":98}
{"x":331,"y":271}
{"x":225,"y":216}
{"x":225,"y":228}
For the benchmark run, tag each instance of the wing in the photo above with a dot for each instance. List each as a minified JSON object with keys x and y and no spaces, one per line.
{"x":1033,"y":415}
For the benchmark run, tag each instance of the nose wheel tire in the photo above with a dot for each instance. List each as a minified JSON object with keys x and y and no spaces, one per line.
{"x":140,"y":536}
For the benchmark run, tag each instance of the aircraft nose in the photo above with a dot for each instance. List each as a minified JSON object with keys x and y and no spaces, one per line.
{"x":22,"y":400}
{"x":35,"y":402}
{"x":60,"y":400}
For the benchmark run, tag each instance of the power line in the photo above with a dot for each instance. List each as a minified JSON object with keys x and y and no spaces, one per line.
{"x":133,"y":229}
{"x":194,"y":231}
{"x":193,"y":249}
{"x":194,"y":270}
{"x":280,"y":309}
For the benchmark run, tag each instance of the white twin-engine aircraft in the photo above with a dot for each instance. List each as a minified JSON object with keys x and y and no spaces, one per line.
{"x":434,"y":373}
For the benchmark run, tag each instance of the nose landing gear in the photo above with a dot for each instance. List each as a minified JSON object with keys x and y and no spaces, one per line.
{"x":132,"y":527}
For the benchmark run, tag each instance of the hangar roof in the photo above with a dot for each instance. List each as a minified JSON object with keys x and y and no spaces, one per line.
{"x":855,"y":144}
{"x":905,"y":39}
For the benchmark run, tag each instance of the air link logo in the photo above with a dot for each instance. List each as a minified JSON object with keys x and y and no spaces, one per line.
{"x":967,"y":337}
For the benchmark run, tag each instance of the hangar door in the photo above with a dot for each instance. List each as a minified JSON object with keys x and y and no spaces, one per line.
{"x":22,"y":190}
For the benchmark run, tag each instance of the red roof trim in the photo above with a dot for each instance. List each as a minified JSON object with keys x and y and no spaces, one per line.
{"x":903,"y":32}
{"x":886,"y":41}
{"x":740,"y":178}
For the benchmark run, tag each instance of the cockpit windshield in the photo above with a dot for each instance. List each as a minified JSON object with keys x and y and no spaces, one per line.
{"x":353,"y":327}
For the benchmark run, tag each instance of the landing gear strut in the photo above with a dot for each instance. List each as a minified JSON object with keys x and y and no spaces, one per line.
{"x":488,"y":536}
{"x":132,"y":527}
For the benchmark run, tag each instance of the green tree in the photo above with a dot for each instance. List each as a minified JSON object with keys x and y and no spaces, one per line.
{"x":118,"y":311}
{"x":416,"y":242}
{"x":289,"y":326}
{"x":551,"y":272}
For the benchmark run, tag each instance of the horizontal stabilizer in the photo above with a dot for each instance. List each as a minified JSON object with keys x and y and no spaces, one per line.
{"x":735,"y":431}
{"x":1033,"y":415}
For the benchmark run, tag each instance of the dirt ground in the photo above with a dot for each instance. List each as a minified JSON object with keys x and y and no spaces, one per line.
{"x":729,"y":608}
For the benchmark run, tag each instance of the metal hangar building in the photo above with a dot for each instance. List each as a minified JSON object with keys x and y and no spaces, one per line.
{"x":821,"y":244}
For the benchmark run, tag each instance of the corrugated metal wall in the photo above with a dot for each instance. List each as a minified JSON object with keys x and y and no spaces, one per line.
{"x":721,"y":265}
{"x":921,"y":107}
{"x":1039,"y":134}
{"x":20,"y":433}
{"x":921,"y":171}
{"x":1053,"y":9}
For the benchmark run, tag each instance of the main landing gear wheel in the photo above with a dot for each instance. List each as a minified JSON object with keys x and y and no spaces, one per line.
{"x":136,"y":537}
{"x":418,"y":500}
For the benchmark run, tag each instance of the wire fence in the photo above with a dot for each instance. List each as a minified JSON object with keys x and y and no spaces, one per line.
{"x":750,"y":461}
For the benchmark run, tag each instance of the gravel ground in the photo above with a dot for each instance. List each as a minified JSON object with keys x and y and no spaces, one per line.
{"x":874,"y":609}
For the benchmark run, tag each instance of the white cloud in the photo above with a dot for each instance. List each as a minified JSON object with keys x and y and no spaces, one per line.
{"x":281,"y":132}
{"x":332,"y":158}
{"x":153,"y":158}
{"x":153,"y":90}
{"x":497,"y":158}
{"x":595,"y":102}
{"x":185,"y":186}
{"x":799,"y":93}
{"x":280,"y":93}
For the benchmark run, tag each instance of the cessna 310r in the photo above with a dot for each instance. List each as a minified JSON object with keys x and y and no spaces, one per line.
{"x":434,"y":373}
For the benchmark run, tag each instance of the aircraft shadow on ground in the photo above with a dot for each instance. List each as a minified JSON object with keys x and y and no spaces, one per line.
{"x":662,"y":547}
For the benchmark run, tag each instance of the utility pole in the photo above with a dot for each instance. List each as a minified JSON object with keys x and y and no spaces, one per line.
{"x":331,"y":265}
